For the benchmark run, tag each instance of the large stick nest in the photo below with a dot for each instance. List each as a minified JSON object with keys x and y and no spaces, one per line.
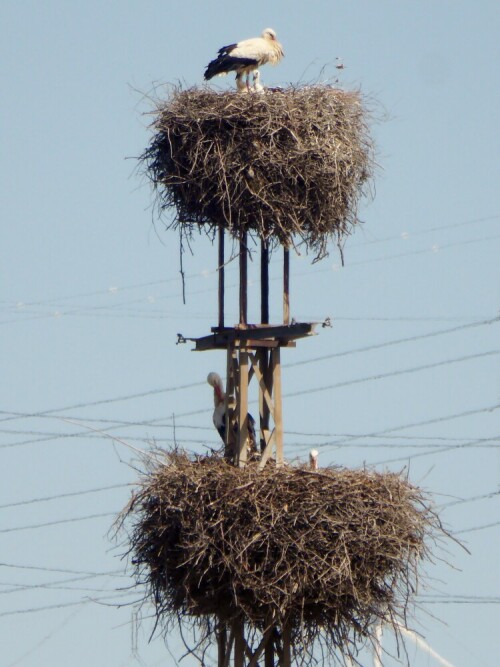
{"x":325,"y":552}
{"x":283,"y":165}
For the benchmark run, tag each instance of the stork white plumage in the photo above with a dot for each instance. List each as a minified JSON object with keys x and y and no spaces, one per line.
{"x":219,"y":413}
{"x":313,"y":459}
{"x":241,"y":84}
{"x":246,"y":56}
{"x":257,"y":87}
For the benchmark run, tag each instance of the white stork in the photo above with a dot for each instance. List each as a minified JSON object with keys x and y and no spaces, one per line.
{"x":313,"y":459}
{"x":219,"y":414}
{"x":257,"y":87}
{"x":245,"y":57}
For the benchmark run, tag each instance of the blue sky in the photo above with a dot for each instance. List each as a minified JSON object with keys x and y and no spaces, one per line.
{"x":91,"y":299}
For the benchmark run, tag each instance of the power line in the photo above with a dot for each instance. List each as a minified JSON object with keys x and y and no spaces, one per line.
{"x":40,"y":568}
{"x":459,"y":599}
{"x":117,"y":399}
{"x":203,"y":274}
{"x":398,"y":341}
{"x":64,"y":495}
{"x":49,"y":585}
{"x":15,"y":415}
{"x":425,"y":250}
{"x":158,"y":422}
{"x":58,"y":522}
{"x":44,"y":639}
{"x":426,"y":422}
{"x":381,"y":376}
{"x":428,"y":230}
{"x":449,"y":448}
{"x":361,"y":262}
{"x":462,"y":501}
{"x":474,"y":528}
{"x":64,"y":604}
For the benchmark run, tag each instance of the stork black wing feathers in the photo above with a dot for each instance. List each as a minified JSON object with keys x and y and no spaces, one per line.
{"x":226,"y":63}
{"x":225,"y":50}
{"x":251,"y":429}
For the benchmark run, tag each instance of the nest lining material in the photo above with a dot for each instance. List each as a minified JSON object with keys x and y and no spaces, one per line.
{"x":284,"y":165}
{"x":326,"y":552}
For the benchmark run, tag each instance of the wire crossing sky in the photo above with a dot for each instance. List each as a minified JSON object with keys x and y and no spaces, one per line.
{"x":91,"y":304}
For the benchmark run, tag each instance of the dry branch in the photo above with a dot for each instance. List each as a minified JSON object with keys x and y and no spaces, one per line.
{"x":325,"y":553}
{"x":287,"y":166}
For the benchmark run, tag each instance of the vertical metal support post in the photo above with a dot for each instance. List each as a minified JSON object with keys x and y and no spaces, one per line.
{"x":269,"y":650}
{"x":221,"y":278}
{"x":221,"y":643}
{"x":264,"y":413}
{"x":243,"y":277}
{"x":287,"y":647}
{"x":264,"y":282}
{"x":286,"y":286}
{"x":263,"y":353}
{"x":278,"y":410}
{"x":239,"y":643}
{"x":230,"y":404}
{"x":242,"y":406}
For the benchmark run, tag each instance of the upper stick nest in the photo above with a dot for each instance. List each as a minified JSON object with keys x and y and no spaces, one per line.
{"x":282,"y":164}
{"x":327,"y":552}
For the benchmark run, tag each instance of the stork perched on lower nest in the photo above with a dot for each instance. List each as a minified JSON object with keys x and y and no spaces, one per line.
{"x":219,"y":417}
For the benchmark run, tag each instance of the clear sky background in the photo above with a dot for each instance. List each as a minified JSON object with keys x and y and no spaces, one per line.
{"x":90,"y":301}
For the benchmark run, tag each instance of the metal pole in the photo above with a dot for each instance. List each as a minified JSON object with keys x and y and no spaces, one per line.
{"x":243,"y":278}
{"x":286,"y":286}
{"x":264,"y":282}
{"x":221,"y":642}
{"x":269,"y":652}
{"x":239,"y":643}
{"x":287,"y":646}
{"x":221,"y":277}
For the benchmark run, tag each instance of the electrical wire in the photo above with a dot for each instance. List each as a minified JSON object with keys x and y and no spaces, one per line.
{"x":50,"y":585}
{"x":58,"y":522}
{"x":462,"y":501}
{"x":382,"y":376}
{"x":203,"y":274}
{"x":69,"y":494}
{"x":449,"y":448}
{"x":64,"y":604}
{"x":474,"y":528}
{"x":117,"y":399}
{"x":399,"y":341}
{"x":309,"y":273}
{"x":40,"y":568}
{"x":16,"y":415}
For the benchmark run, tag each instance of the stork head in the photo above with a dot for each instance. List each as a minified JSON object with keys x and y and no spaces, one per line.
{"x":269,"y":33}
{"x":215,"y":381}
{"x":313,"y":459}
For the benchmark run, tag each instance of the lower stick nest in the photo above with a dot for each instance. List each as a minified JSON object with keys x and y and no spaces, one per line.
{"x":326,"y":552}
{"x":287,"y":164}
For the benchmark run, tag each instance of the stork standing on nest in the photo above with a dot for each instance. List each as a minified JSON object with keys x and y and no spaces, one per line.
{"x":257,"y":87}
{"x":313,"y":459}
{"x":219,"y":414}
{"x":246,"y":56}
